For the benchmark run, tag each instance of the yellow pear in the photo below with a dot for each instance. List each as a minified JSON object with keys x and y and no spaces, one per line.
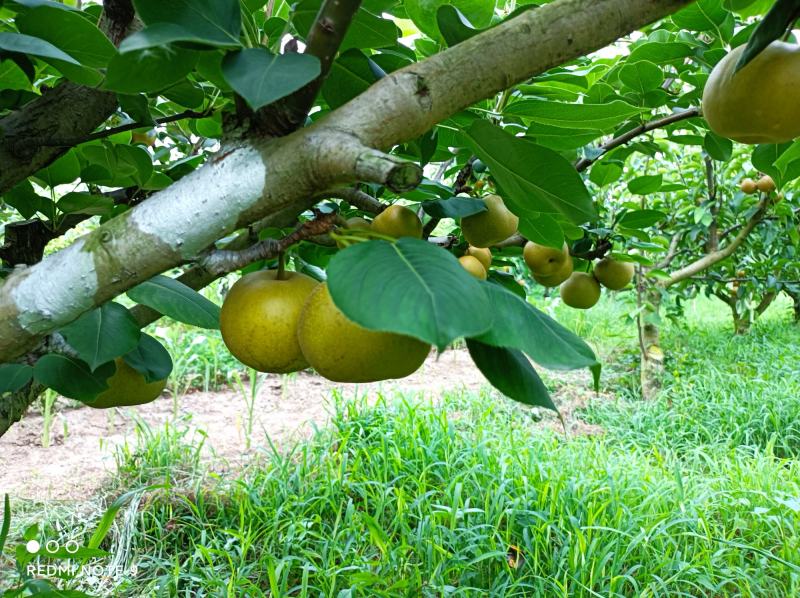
{"x":342,"y":351}
{"x":127,"y":387}
{"x":544,"y":260}
{"x":259,"y":319}
{"x":398,"y":221}
{"x":765,"y":184}
{"x":559,"y":276}
{"x":612,"y":274}
{"x":473,"y":266}
{"x":580,"y":291}
{"x":482,"y":254}
{"x":759,"y":103}
{"x":748,"y":186}
{"x":488,"y":228}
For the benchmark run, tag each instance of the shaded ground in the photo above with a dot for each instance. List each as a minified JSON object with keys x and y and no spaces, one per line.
{"x":77,"y":464}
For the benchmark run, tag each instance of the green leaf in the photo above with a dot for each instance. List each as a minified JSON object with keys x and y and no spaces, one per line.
{"x":103,"y":334}
{"x":645,"y":184}
{"x":139,"y":161}
{"x":641,"y":218}
{"x":772,"y":27}
{"x":64,"y":170}
{"x":660,"y":52}
{"x":409,"y":287}
{"x":107,"y":520}
{"x":213,"y":23}
{"x":367,"y":30}
{"x":26,"y":44}
{"x":511,"y":373}
{"x":703,"y":15}
{"x":24,"y":199}
{"x":261,"y":77}
{"x":70,"y":32}
{"x":351,"y":74}
{"x":149,"y":70}
{"x":719,"y":148}
{"x":604,"y":173}
{"x":85,"y":203}
{"x":519,"y":325}
{"x":14,"y":376}
{"x":455,"y":207}
{"x":602,"y":117}
{"x":136,"y":106}
{"x":423,"y":13}
{"x":454,"y":27}
{"x":641,"y":76}
{"x":150,"y":359}
{"x":542,"y":229}
{"x":174,"y":299}
{"x":533,"y":178}
{"x":71,"y":377}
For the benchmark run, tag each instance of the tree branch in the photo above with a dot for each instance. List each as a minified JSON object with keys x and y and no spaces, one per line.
{"x":714,"y":257}
{"x":659,"y":123}
{"x":359,"y":199}
{"x":672,"y":251}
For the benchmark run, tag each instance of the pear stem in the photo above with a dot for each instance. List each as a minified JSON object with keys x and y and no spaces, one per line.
{"x":281,"y":275}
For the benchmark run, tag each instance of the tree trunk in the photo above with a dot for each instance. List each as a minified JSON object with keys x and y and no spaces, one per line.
{"x":742,"y":324}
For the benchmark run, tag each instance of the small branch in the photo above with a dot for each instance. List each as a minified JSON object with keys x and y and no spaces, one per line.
{"x":359,"y":199}
{"x":672,"y":251}
{"x":600,"y":250}
{"x":220,"y":261}
{"x":376,"y":167}
{"x":323,"y":41}
{"x":766,"y":301}
{"x":427,"y":230}
{"x":714,"y":257}
{"x":585,"y":163}
{"x":46,"y":142}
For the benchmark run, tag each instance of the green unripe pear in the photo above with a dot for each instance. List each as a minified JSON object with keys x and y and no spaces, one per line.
{"x":473,"y":266}
{"x":544,"y":260}
{"x":559,"y":276}
{"x":398,"y":221}
{"x":488,"y":228}
{"x":127,"y":387}
{"x":342,"y":351}
{"x":612,"y":274}
{"x":358,"y":223}
{"x":580,"y":291}
{"x":259,"y":320}
{"x":482,"y":254}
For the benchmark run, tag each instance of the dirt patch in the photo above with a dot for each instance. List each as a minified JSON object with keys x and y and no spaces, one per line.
{"x":81,"y":457}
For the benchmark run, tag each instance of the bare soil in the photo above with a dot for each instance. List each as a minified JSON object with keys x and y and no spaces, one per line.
{"x":77,"y":464}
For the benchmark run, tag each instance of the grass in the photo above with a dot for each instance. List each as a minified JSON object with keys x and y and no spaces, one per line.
{"x":696,"y":493}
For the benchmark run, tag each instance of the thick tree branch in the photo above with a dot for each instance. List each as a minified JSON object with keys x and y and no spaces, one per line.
{"x":714,"y":257}
{"x":659,"y":123}
{"x":67,"y":111}
{"x":255,"y":178}
{"x":323,"y":41}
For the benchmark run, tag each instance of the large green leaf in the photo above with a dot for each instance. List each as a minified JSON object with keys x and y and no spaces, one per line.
{"x":410,"y":287}
{"x":519,"y":325}
{"x":423,"y":12}
{"x":454,"y":207}
{"x":214,"y":23}
{"x":534,"y":178}
{"x":645,"y":184}
{"x":641,"y":218}
{"x":641,"y":76}
{"x":14,"y":376}
{"x":602,"y":117}
{"x":542,"y":229}
{"x":660,"y":52}
{"x":150,"y":359}
{"x":454,"y":27}
{"x":149,"y":70}
{"x":351,"y":74}
{"x":27,"y":44}
{"x":511,"y":373}
{"x":103,"y":334}
{"x":71,"y":377}
{"x":70,"y":32}
{"x":703,"y":15}
{"x":174,"y":299}
{"x":261,"y":77}
{"x":64,"y":170}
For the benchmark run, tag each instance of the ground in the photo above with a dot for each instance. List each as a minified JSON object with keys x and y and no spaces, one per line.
{"x":287,"y":408}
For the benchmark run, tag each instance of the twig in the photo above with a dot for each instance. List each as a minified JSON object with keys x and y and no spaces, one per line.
{"x":359,"y":199}
{"x":219,"y":261}
{"x":585,"y":163}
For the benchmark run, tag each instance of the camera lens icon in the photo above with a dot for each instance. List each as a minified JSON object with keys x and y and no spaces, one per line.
{"x":32,"y":546}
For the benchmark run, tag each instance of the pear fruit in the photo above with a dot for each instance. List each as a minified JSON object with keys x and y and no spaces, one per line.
{"x":748,"y":186}
{"x":612,"y":274}
{"x":544,"y":260}
{"x":482,"y":254}
{"x":559,"y":276}
{"x":765,"y":184}
{"x":342,"y":351}
{"x":127,"y":387}
{"x":488,"y":228}
{"x":358,"y":223}
{"x":473,"y":266}
{"x":580,"y":291}
{"x":759,"y":103}
{"x":259,"y":320}
{"x":398,"y":221}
